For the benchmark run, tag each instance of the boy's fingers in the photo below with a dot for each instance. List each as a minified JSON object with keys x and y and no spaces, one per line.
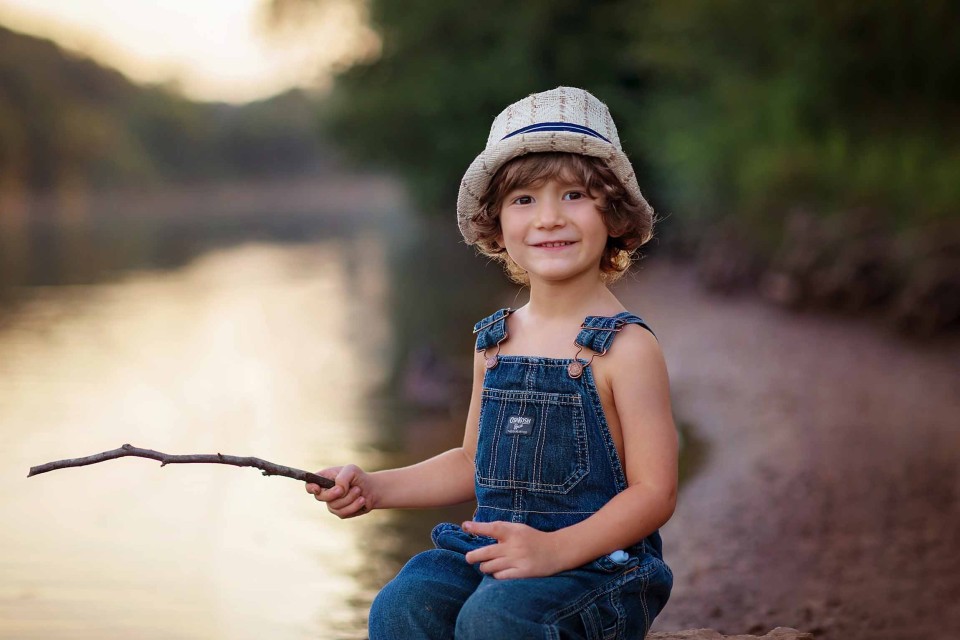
{"x":338,"y":502}
{"x":317,"y":490}
{"x":489,"y":529}
{"x":509,"y":573}
{"x":346,"y":475}
{"x":355,"y":508}
{"x":326,"y":495}
{"x":495,"y":565}
{"x":483,"y":554}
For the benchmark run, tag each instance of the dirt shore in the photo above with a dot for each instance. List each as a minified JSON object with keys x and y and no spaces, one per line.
{"x":830,"y":496}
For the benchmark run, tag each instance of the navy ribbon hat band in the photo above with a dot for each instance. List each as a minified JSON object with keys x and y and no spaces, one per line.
{"x":556,"y":126}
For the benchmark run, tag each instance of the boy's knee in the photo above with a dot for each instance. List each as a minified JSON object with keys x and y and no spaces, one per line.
{"x":423,"y":600}
{"x":395,"y":610}
{"x":483,"y":617}
{"x":403,"y":609}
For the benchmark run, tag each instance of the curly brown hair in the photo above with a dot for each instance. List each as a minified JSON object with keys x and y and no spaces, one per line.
{"x":629,"y":223}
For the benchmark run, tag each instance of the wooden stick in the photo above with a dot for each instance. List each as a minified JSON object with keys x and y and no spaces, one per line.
{"x":268,"y":468}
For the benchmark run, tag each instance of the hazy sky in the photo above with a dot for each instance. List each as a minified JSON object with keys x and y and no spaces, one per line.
{"x":215,"y":49}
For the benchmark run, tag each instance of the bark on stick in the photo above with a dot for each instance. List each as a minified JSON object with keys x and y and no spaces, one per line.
{"x":268,"y":468}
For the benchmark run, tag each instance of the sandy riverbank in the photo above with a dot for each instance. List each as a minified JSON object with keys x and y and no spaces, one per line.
{"x":830,"y":499}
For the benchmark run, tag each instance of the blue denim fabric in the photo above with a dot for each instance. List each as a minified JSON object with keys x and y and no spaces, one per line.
{"x":545,"y":458}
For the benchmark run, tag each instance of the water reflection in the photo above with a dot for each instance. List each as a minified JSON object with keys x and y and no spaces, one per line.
{"x":279,"y":351}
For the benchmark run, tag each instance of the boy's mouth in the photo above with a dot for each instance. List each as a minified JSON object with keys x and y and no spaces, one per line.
{"x":553,"y":245}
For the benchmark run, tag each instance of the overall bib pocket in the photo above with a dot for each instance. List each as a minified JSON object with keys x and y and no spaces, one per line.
{"x":537,"y":441}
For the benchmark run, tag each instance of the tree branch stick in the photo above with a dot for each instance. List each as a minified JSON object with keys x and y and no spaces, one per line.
{"x":268,"y":468}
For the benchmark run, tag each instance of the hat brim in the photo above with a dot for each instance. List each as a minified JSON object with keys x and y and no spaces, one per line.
{"x":481,"y":171}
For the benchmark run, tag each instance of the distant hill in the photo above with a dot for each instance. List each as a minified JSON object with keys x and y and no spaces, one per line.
{"x":65,"y":119}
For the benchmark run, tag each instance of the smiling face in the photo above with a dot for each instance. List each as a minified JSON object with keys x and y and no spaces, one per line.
{"x":553,"y":230}
{"x":628,"y":223}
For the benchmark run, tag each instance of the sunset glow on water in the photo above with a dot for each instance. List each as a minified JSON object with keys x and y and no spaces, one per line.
{"x":249,"y":351}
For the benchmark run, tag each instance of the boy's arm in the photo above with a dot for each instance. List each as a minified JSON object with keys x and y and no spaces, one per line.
{"x":445,"y":479}
{"x":641,"y":393}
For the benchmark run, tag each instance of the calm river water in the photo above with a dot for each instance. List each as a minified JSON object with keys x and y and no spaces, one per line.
{"x":296,"y":340}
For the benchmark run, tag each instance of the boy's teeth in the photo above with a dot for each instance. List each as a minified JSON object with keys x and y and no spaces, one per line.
{"x":554,"y":244}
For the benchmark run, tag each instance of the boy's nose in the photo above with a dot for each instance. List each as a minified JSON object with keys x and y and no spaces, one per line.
{"x":549,"y":216}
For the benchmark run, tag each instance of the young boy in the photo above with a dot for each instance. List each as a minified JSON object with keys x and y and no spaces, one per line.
{"x":570,"y":448}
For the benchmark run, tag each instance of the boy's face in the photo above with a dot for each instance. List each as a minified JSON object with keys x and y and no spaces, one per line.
{"x":553,"y":230}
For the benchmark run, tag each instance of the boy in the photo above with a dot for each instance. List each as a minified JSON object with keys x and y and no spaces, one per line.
{"x":572,"y":461}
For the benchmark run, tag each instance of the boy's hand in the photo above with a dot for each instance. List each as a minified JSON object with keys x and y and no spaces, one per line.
{"x":350,"y":496}
{"x":521,"y":551}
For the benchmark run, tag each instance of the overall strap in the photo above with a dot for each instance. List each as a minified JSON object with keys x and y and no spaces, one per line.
{"x":492,"y":330}
{"x":597,"y":332}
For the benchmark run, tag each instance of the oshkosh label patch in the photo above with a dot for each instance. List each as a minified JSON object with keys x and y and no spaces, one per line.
{"x":519,"y":425}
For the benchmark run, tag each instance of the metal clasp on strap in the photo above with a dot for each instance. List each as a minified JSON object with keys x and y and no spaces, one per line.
{"x":575,"y":368}
{"x":492,"y":361}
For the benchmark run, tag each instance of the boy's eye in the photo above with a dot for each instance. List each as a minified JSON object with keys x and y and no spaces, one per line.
{"x":522,"y":200}
{"x":573,"y":195}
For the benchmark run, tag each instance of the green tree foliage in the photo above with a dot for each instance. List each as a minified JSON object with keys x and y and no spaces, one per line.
{"x":741,"y":108}
{"x":66,"y":119}
{"x":424,"y":107}
{"x":42,"y":139}
{"x":830,"y":105}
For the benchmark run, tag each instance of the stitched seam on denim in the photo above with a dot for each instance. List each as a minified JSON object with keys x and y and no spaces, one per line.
{"x":559,"y":489}
{"x":592,"y":623}
{"x":541,"y":441}
{"x":643,"y":602}
{"x":649,"y":566}
{"x":523,"y":398}
{"x":515,"y":442}
{"x":484,"y":506}
{"x":553,"y":632}
{"x":476,"y":455}
{"x":532,"y":396}
{"x":586,"y":599}
{"x":616,"y":600}
{"x":514,"y":452}
{"x":495,"y":436}
{"x":535,"y":361}
{"x":583,"y":446}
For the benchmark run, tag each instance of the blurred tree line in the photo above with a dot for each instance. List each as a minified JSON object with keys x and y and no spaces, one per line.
{"x":808,"y":148}
{"x":65,"y":120}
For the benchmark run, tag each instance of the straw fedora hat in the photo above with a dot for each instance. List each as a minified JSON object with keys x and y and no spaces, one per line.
{"x":564,"y":119}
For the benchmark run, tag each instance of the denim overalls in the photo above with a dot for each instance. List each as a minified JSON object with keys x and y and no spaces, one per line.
{"x":545,"y":458}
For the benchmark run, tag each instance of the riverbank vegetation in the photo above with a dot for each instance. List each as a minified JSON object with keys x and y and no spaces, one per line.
{"x":809,"y":150}
{"x":69,"y":123}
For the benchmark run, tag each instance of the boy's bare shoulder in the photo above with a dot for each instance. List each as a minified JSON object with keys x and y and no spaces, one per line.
{"x":633,"y":341}
{"x":635,"y":352}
